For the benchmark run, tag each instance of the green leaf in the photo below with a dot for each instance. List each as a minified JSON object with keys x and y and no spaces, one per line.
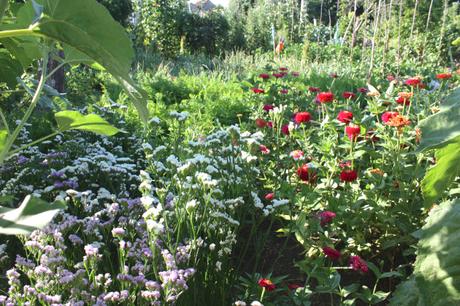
{"x":440,"y":128}
{"x":33,"y":214}
{"x":73,"y":120}
{"x":11,"y":69}
{"x":440,"y":177}
{"x":436,"y":278}
{"x":3,"y":139}
{"x":450,"y":100}
{"x":88,"y":27}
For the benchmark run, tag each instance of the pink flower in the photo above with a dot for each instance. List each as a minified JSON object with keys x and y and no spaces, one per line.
{"x":268,"y":107}
{"x":326,"y":217}
{"x":358,"y":264}
{"x":325,"y":97}
{"x":348,"y":175}
{"x":314,"y":89}
{"x":264,"y":149}
{"x":348,"y":95}
{"x":279,"y":75}
{"x":294,"y":73}
{"x":345,"y":116}
{"x":270,"y":196}
{"x":284,"y":91}
{"x":331,"y":253}
{"x":386,"y":116}
{"x":261,"y":123}
{"x":264,"y":76}
{"x":296,"y":154}
{"x":362,"y":90}
{"x":257,"y":90}
{"x":352,"y":131}
{"x":283,"y":69}
{"x":302,"y":117}
{"x":285,"y":129}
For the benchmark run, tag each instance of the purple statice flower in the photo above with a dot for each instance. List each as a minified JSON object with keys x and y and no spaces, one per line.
{"x":75,"y":239}
{"x":118,"y":232}
{"x":58,"y":184}
{"x":169,"y":260}
{"x":91,"y":250}
{"x":71,"y":184}
{"x":21,"y":261}
{"x":22,"y":159}
{"x":56,"y":155}
{"x":57,"y":174}
{"x":151,"y":295}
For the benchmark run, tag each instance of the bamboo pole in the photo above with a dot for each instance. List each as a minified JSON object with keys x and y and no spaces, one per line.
{"x":413,"y":20}
{"x":374,"y":38}
{"x":443,"y":29}
{"x":399,"y":36}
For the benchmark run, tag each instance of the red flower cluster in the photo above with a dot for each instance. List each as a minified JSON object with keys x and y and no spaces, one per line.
{"x":264,"y":149}
{"x":331,"y":253}
{"x":264,"y":76}
{"x":269,"y":196}
{"x":268,"y":107}
{"x":314,"y":89}
{"x":352,"y":131}
{"x":261,"y":123}
{"x":285,"y":129}
{"x":279,"y":75}
{"x":345,"y":116}
{"x":348,"y":175}
{"x":348,"y":95}
{"x":284,"y":91}
{"x":443,"y":76}
{"x":326,"y":217}
{"x":414,"y":82}
{"x":302,"y":173}
{"x":362,"y":90}
{"x":267,"y":284}
{"x":294,"y":73}
{"x":358,"y":264}
{"x":325,"y":97}
{"x":403,"y":100}
{"x":257,"y":90}
{"x":386,"y":116}
{"x":283,"y":69}
{"x":302,"y":117}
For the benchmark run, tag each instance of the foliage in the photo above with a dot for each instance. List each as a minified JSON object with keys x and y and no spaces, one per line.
{"x":435,"y":280}
{"x":119,"y":9}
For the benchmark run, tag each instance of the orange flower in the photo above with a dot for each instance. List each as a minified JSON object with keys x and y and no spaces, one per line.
{"x":405,"y":94}
{"x":398,"y":121}
{"x":377,"y":171}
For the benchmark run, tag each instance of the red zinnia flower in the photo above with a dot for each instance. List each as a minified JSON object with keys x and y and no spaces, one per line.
{"x":362,"y":90}
{"x":443,"y":76}
{"x":331,"y":253}
{"x":416,"y":81}
{"x":345,"y":116}
{"x":257,"y":90}
{"x":352,"y":131}
{"x":358,"y":264}
{"x":264,"y":149}
{"x":279,"y":75}
{"x":326,"y":217}
{"x":314,"y":89}
{"x":325,"y":97}
{"x":268,"y":107}
{"x":348,"y":175}
{"x":303,"y":174}
{"x":284,"y":91}
{"x":261,"y":123}
{"x":285,"y":129}
{"x":403,"y":100}
{"x":345,"y":164}
{"x":283,"y":69}
{"x":264,"y":76}
{"x":269,"y":196}
{"x":348,"y":95}
{"x":388,"y":115}
{"x":267,"y":284}
{"x":302,"y":117}
{"x":391,"y":77}
{"x":294,"y":73}
{"x":270,"y":124}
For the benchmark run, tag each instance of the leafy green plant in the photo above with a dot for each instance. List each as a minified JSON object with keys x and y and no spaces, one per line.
{"x":88,"y":34}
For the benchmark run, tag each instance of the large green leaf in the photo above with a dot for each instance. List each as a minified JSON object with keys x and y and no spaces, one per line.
{"x":436,"y":278}
{"x":73,"y":120}
{"x":438,"y":178}
{"x":33,"y":214}
{"x":440,"y":128}
{"x":3,"y":138}
{"x":10,"y":68}
{"x":88,"y":27}
{"x":450,"y":100}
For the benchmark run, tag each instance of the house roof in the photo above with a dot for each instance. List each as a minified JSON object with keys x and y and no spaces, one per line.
{"x":201,"y":6}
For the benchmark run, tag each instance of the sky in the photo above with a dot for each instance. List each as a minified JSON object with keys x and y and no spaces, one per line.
{"x":224,"y":3}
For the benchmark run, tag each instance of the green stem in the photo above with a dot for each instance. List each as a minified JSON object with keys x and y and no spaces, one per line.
{"x":5,"y":123}
{"x":33,"y":143}
{"x":3,"y":8}
{"x":35,"y":99}
{"x":16,"y":33}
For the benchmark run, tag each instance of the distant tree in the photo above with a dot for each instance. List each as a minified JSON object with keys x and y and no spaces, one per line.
{"x":119,"y":9}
